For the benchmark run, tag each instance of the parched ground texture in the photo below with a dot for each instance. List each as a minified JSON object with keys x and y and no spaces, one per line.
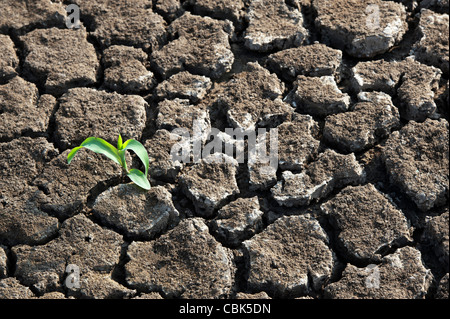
{"x":358,"y":207}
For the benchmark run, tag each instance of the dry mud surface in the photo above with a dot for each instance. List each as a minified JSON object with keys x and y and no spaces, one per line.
{"x":358,"y":207}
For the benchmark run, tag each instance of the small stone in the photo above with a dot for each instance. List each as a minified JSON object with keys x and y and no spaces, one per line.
{"x":50,"y":62}
{"x":53,"y":295}
{"x":330,"y":171}
{"x":272,"y":24}
{"x":371,"y":120}
{"x":209,"y":185}
{"x":238,"y":221}
{"x":125,"y":70}
{"x":139,"y":214}
{"x":202,"y":47}
{"x":187,"y":262}
{"x":363,"y":29}
{"x":288,"y":257}
{"x":400,"y":275}
{"x":81,"y":243}
{"x":433,"y":46}
{"x":309,"y":60}
{"x":85,"y":112}
{"x":8,"y":58}
{"x":22,"y":110}
{"x":417,"y":161}
{"x":184,"y":85}
{"x":11,"y":288}
{"x":318,"y":96}
{"x":367,"y":223}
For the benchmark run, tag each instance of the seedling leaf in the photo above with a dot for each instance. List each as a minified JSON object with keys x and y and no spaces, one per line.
{"x":139,"y":178}
{"x":140,"y":151}
{"x":97,"y":145}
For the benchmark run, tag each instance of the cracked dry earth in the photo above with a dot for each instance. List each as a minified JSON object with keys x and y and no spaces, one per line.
{"x":358,"y":207}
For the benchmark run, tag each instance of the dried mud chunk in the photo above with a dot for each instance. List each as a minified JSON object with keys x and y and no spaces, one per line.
{"x":417,"y":91}
{"x":297,"y":143}
{"x":288,"y":257}
{"x":372,"y":119}
{"x":8,"y":58}
{"x":367,"y":222}
{"x":21,"y":160}
{"x":331,"y":170}
{"x":363,"y":29}
{"x":442,"y":290}
{"x":23,"y":222}
{"x":95,"y":285}
{"x":436,"y":235}
{"x":238,"y":221}
{"x":139,"y":214}
{"x":22,"y":110}
{"x":261,"y":176}
{"x":51,"y":62}
{"x":417,"y":161}
{"x":159,"y":148}
{"x":441,"y":6}
{"x":309,"y":60}
{"x":65,"y":188}
{"x":133,"y":25}
{"x":169,"y":9}
{"x":416,"y":83}
{"x":81,"y":243}
{"x":11,"y":288}
{"x":202,"y":47}
{"x":184,"y":85}
{"x":20,"y":15}
{"x":379,"y":75}
{"x":180,"y":114}
{"x":21,"y":219}
{"x":187,"y":262}
{"x":125,"y":70}
{"x":85,"y":112}
{"x":232,"y":10}
{"x":273,"y":25}
{"x":3,"y":266}
{"x":253,"y":97}
{"x":318,"y":96}
{"x":209,"y":185}
{"x":433,"y":47}
{"x":259,"y":295}
{"x":400,"y":275}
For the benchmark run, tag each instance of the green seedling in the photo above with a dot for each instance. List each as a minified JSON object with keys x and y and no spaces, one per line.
{"x":117,"y":155}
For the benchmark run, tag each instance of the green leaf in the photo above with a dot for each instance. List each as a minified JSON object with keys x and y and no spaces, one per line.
{"x":139,"y":178}
{"x":119,"y":143}
{"x":97,"y":145}
{"x":140,"y":151}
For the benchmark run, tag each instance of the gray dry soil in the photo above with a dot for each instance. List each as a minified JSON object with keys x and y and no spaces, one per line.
{"x":358,"y":207}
